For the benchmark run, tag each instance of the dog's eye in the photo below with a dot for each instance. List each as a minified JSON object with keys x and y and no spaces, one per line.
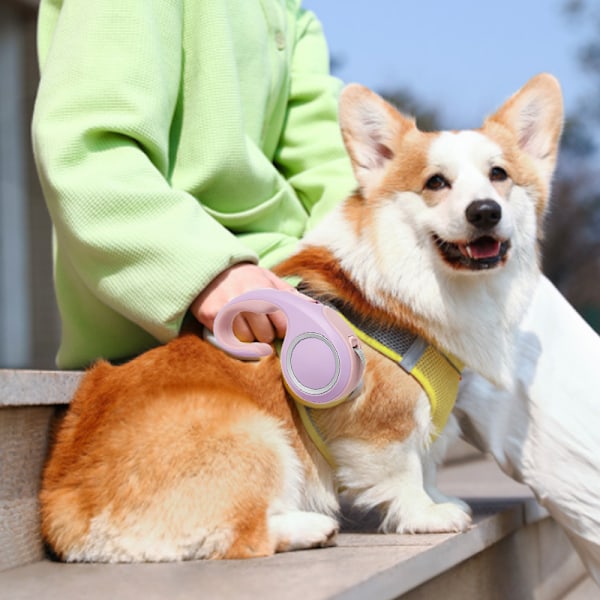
{"x":498,"y":174}
{"x":436,"y":182}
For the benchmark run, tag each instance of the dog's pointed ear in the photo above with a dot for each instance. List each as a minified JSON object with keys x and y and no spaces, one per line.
{"x":535,"y":116}
{"x":371,"y":129}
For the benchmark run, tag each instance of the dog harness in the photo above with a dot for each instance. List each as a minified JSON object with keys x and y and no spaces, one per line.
{"x":439,"y":374}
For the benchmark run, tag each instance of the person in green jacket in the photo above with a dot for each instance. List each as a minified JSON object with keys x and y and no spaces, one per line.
{"x":183,"y":148}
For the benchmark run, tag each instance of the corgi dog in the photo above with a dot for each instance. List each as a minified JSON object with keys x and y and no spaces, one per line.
{"x":187,"y":453}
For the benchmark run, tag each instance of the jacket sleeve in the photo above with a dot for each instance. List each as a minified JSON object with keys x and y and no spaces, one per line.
{"x":111,"y":75}
{"x":312,"y":155}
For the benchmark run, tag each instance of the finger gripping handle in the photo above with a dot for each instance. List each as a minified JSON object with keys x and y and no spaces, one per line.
{"x":223,"y":327}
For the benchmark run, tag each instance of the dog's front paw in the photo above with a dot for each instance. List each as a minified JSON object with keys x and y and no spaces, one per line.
{"x":435,"y":518}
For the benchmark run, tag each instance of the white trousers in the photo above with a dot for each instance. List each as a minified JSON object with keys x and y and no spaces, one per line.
{"x":546,"y":432}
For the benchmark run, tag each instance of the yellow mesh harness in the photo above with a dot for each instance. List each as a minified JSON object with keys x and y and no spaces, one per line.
{"x":438,"y":374}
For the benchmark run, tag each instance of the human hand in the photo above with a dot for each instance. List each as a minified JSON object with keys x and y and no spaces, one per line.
{"x":236,"y":280}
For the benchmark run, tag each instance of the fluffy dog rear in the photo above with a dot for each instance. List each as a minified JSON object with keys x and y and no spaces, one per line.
{"x":186,"y":453}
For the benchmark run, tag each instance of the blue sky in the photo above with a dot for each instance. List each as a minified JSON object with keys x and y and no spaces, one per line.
{"x":464,"y":57}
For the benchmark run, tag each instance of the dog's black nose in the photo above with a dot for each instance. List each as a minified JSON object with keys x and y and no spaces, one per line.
{"x":484,"y":214}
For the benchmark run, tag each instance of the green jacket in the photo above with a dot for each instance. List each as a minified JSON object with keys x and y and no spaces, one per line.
{"x":174,"y":138}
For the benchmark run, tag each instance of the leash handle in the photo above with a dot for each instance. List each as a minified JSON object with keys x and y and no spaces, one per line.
{"x":321,"y":359}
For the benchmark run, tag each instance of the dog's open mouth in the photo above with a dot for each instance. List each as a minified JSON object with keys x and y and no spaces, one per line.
{"x":484,"y":252}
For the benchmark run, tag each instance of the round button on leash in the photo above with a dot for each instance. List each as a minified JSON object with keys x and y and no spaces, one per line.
{"x":313,"y":363}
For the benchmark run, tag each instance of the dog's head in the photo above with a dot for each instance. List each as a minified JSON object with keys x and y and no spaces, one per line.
{"x":475,"y":197}
{"x":445,"y":226}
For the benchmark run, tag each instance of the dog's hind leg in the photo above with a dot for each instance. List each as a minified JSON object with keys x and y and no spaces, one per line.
{"x":285,"y":525}
{"x":297,"y":530}
{"x":291,"y":525}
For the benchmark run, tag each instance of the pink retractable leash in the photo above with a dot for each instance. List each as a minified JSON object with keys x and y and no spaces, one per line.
{"x":321,"y":358}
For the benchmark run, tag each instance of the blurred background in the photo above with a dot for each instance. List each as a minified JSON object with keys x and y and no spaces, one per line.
{"x":448,"y":63}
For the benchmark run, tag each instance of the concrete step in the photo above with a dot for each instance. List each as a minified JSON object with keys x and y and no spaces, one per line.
{"x":506,"y":555}
{"x":514,"y":550}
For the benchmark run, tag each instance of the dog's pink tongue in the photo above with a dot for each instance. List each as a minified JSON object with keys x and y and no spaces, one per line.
{"x":485,"y":247}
